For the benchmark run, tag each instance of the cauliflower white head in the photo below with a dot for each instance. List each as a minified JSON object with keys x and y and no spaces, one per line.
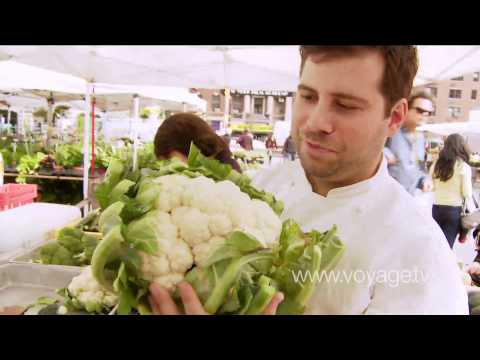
{"x":192,"y":218}
{"x":89,"y":292}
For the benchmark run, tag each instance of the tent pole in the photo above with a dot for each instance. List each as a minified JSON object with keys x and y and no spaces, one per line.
{"x":50,"y":102}
{"x":86,"y":129}
{"x":93,"y":132}
{"x":136,"y":111}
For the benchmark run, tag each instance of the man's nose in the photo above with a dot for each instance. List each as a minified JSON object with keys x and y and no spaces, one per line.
{"x":320,"y":120}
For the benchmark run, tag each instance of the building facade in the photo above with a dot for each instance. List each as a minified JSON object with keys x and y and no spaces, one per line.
{"x":454,"y":98}
{"x":229,"y":108}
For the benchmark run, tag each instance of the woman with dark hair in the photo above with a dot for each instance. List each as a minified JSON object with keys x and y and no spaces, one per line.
{"x":452,"y":181}
{"x":178,"y":131}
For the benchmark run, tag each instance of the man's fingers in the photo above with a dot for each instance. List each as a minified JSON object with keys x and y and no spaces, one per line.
{"x":12,"y":310}
{"x":163,"y":300}
{"x":191,"y":302}
{"x":153,"y":305}
{"x":271,"y":308}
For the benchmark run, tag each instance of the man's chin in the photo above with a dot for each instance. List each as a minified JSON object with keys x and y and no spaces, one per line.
{"x":317,"y":167}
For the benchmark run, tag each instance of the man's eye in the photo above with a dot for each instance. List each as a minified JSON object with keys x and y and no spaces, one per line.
{"x":307,"y":97}
{"x":346,"y":107}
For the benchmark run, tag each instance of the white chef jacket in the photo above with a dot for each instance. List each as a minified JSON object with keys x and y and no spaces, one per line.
{"x":397,"y":260}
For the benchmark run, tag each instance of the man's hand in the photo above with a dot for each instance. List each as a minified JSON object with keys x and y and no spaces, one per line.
{"x":12,"y":310}
{"x":427,"y":186}
{"x":474,"y":268}
{"x":163,"y":304}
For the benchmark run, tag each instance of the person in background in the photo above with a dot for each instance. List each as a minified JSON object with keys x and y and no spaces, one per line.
{"x":270,"y":144}
{"x":474,"y":268}
{"x":452,"y":183}
{"x":407,"y":147}
{"x":246,"y":140}
{"x":289,"y":148}
{"x":178,"y":131}
{"x":227,"y":138}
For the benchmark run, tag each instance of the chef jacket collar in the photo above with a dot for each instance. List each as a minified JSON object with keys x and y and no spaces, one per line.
{"x":302,"y":185}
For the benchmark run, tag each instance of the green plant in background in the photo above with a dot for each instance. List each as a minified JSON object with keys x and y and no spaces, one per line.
{"x":103,"y":153}
{"x":41,"y":113}
{"x":145,"y":113}
{"x":69,"y":155}
{"x":59,"y":192}
{"x":28,"y":165}
{"x":58,"y":112}
{"x":146,"y":156}
{"x":81,"y":121}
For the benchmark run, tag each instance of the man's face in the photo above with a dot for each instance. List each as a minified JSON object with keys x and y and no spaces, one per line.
{"x":339,"y":124}
{"x":418,"y":112}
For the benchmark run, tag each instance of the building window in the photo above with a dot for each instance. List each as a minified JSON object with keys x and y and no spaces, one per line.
{"x":279,"y":106}
{"x":237,"y":104}
{"x":216,"y":102}
{"x":258,"y":105}
{"x":476,"y":75}
{"x":454,"y":111}
{"x":474,"y":94}
{"x":433,"y":91}
{"x":459,"y":78}
{"x":455,"y":94}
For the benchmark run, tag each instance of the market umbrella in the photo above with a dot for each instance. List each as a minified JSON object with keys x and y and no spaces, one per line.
{"x":238,"y":67}
{"x":51,"y":84}
{"x":444,"y":62}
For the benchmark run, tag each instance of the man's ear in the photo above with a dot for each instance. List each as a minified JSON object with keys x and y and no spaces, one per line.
{"x":397,"y":116}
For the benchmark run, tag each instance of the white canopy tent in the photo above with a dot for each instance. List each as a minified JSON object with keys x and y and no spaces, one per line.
{"x":444,"y":62}
{"x":238,"y":67}
{"x":15,"y":100}
{"x":45,"y":83}
{"x":446,"y":129}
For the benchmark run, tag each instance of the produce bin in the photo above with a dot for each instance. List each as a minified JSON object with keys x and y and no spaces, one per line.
{"x":14,"y":195}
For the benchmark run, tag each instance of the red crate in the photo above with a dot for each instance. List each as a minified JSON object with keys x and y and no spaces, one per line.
{"x":14,"y":195}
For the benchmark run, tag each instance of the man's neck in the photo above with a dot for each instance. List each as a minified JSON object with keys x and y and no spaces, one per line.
{"x":323,"y":186}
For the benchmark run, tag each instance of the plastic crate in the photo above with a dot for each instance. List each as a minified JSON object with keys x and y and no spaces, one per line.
{"x":14,"y":195}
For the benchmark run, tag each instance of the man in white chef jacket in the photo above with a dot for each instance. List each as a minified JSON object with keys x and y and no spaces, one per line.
{"x":349,"y":101}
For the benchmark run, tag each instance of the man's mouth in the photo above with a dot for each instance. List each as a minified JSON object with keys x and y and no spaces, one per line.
{"x":315,"y":149}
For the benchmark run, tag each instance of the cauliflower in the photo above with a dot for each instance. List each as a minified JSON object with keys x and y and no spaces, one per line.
{"x":90,"y":293}
{"x":193,"y":218}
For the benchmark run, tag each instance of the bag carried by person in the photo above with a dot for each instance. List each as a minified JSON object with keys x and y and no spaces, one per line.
{"x":470,"y":220}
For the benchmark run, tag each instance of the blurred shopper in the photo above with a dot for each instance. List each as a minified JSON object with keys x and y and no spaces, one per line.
{"x":270,"y":144}
{"x":407,"y":147}
{"x":474,"y":268}
{"x":452,"y":182}
{"x":246,"y":140}
{"x":227,"y":138}
{"x":178,"y":131}
{"x":289,"y":150}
